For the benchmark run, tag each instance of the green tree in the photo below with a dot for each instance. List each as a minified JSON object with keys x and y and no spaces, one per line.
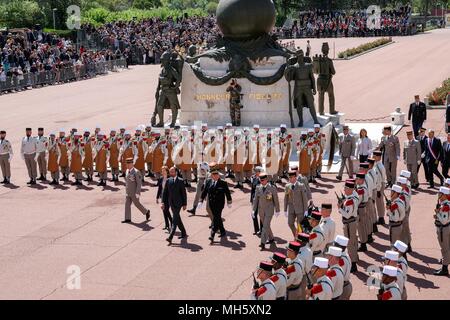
{"x":211,"y":7}
{"x":19,"y":13}
{"x":146,"y":4}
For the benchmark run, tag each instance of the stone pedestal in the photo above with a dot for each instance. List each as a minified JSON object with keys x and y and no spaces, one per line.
{"x":267,"y":106}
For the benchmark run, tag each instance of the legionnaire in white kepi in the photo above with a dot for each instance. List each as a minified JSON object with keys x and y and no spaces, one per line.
{"x":323,"y":287}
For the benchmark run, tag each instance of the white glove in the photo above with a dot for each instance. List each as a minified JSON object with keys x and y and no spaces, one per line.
{"x":137,"y":196}
{"x":277,"y":214}
{"x":285,"y":214}
{"x":253,"y":214}
{"x":200,"y":205}
{"x":398,"y":158}
{"x":306,"y":213}
{"x":423,"y":155}
{"x":229,"y":205}
{"x":419,"y":162}
{"x":352,"y":158}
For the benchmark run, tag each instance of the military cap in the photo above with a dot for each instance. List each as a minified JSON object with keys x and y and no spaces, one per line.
{"x":388,"y":127}
{"x":266,"y":266}
{"x":294,"y":246}
{"x":396,"y":188}
{"x":409,"y":133}
{"x":28,"y":129}
{"x":390,"y":271}
{"x":279,"y":257}
{"x":364,"y":165}
{"x":40,"y":129}
{"x":328,"y":206}
{"x":303,"y":237}
{"x":263,"y":175}
{"x":334,"y":251}
{"x":292,"y":173}
{"x":341,"y":240}
{"x":361,"y":175}
{"x":315,"y":215}
{"x":3,"y":132}
{"x":258,"y":169}
{"x":129,"y":160}
{"x":371,"y":160}
{"x":391,"y":255}
{"x":377,"y":153}
{"x":350,"y":184}
{"x":321,"y":263}
{"x":400,"y":246}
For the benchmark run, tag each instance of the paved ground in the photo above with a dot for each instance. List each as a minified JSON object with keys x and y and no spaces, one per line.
{"x":44,"y":230}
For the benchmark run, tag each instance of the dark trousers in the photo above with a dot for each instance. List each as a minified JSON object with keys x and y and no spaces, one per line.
{"x":217,"y":222}
{"x":167,"y":218}
{"x":425,"y":169}
{"x":433,"y":170}
{"x":257,"y":224}
{"x":416,"y":127}
{"x":362,"y":158}
{"x":177,"y":223}
{"x":445,"y":167}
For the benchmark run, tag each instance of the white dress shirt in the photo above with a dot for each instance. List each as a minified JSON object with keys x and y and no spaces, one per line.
{"x":29,"y":145}
{"x":364,"y":147}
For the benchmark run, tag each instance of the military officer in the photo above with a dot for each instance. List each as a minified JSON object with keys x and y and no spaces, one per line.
{"x":255,"y":181}
{"x":76,"y":154}
{"x":376,"y":177}
{"x":54,"y":154}
{"x":265,"y":289}
{"x":317,"y":240}
{"x":295,"y":202}
{"x":335,"y":271}
{"x":114,"y":148}
{"x":390,"y":146}
{"x":28,"y":152}
{"x":101,"y":154}
{"x":279,"y":277}
{"x":348,"y":208}
{"x":202,"y":176}
{"x":133,"y":191}
{"x":41,"y":152}
{"x":327,"y":223}
{"x":265,"y":203}
{"x":149,"y":137}
{"x":381,"y":183}
{"x":389,"y":288}
{"x":402,"y":249}
{"x":396,"y":213}
{"x":304,"y":180}
{"x":417,"y":113}
{"x":363,"y":195}
{"x":370,"y":207}
{"x":391,"y":259}
{"x":346,"y":265}
{"x":142,"y":148}
{"x":323,"y":288}
{"x":295,"y":272}
{"x":442,"y":223}
{"x":412,"y":153}
{"x":63,"y":144}
{"x":347,"y":148}
{"x":6,"y":154}
{"x":127,"y":150}
{"x":406,"y":197}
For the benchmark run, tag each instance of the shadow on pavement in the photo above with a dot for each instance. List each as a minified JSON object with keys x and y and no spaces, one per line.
{"x":11,"y":186}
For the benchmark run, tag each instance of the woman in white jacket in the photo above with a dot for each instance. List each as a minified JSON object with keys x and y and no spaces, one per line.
{"x":363,"y":146}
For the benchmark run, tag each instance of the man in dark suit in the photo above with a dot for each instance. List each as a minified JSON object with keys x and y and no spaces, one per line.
{"x":175,"y":198}
{"x":422,"y":138}
{"x":216,"y":189}
{"x":418,"y":114}
{"x":447,"y":116}
{"x":433,"y":154}
{"x":446,"y":156}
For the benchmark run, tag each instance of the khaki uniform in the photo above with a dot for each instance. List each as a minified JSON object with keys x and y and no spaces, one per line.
{"x":406,"y":232}
{"x":329,"y":229}
{"x":28,"y":152}
{"x":306,"y":256}
{"x":363,"y":217}
{"x":380,"y":183}
{"x":370,"y":208}
{"x":391,"y":292}
{"x":238,"y":164}
{"x":149,"y":158}
{"x":322,"y":289}
{"x":285,"y":152}
{"x":133,"y":191}
{"x":396,"y":214}
{"x":54,"y":154}
{"x":349,"y":212}
{"x":142,"y":150}
{"x":443,"y":230}
{"x":266,"y":291}
{"x":347,"y":147}
{"x":412,"y":153}
{"x":295,"y":204}
{"x":6,"y":154}
{"x":391,"y":153}
{"x":336,"y":275}
{"x":345,"y":263}
{"x":295,"y":272}
{"x":317,"y":241}
{"x":127,"y":150}
{"x":266,"y":203}
{"x":279,"y":279}
{"x":159,"y":150}
{"x":41,"y":151}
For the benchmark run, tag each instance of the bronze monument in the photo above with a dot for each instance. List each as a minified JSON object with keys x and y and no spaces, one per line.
{"x":323,"y":66}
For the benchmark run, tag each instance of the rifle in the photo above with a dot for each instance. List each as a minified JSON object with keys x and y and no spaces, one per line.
{"x":380,"y":293}
{"x":388,"y":202}
{"x":255,"y":283}
{"x":340,"y":199}
{"x":308,"y":281}
{"x":290,"y":105}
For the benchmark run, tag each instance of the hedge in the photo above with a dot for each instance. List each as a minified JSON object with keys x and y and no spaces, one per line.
{"x":364,"y":47}
{"x":60,"y":33}
{"x":438,"y":96}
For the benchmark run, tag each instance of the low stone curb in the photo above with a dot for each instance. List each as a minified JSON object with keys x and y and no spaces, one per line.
{"x":363,"y":53}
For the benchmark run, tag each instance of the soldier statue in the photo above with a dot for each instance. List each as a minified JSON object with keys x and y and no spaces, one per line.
{"x":167,"y":92}
{"x":304,"y":88}
{"x":323,"y":66}
{"x":235,"y":102}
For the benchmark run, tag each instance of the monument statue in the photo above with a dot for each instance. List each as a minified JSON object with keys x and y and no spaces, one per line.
{"x":323,"y":66}
{"x":235,"y":103}
{"x":167,"y":91}
{"x":304,"y":87}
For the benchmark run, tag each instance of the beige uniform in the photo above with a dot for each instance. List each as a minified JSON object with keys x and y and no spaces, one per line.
{"x":306,"y":256}
{"x":6,"y":154}
{"x":266,"y":291}
{"x":363,"y":217}
{"x":443,"y":230}
{"x":317,"y":241}
{"x":265,"y":203}
{"x":41,"y":152}
{"x":28,"y":152}
{"x":329,"y":229}
{"x":280,"y":279}
{"x":295,"y":272}
{"x":412,"y":153}
{"x":345,"y":263}
{"x":347,"y":147}
{"x":380,"y":183}
{"x":295,"y":204}
{"x":391,"y":292}
{"x":406,"y":232}
{"x":349,"y":212}
{"x":336,"y":275}
{"x":133,"y":192}
{"x":322,"y":289}
{"x":391,"y":153}
{"x":396,"y":214}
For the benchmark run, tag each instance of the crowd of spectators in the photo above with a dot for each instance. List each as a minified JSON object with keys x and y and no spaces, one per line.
{"x":356,"y":23}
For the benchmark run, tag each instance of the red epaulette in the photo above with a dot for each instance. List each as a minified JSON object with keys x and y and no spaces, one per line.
{"x":312,"y":236}
{"x":261,"y":291}
{"x":317,"y":288}
{"x":407,"y":189}
{"x":290,"y":269}
{"x":360,"y":191}
{"x":341,"y":262}
{"x":394,"y":206}
{"x":445,"y":208}
{"x":387,"y":295}
{"x":349,"y":202}
{"x":274,"y":278}
{"x":331,"y":273}
{"x":402,"y":197}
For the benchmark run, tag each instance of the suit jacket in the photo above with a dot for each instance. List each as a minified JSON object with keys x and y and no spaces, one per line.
{"x":133,"y":183}
{"x":295,"y":198}
{"x":412,"y":151}
{"x":174,"y":194}
{"x":447,"y":115}
{"x":216,"y":194}
{"x":159,"y":184}
{"x":446,"y":153}
{"x":433,"y":150}
{"x":417,"y":113}
{"x":347,"y":145}
{"x":266,"y":199}
{"x":390,"y":147}
{"x":255,"y":182}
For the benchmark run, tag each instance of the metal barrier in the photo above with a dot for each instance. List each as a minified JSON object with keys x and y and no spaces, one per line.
{"x":65,"y":73}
